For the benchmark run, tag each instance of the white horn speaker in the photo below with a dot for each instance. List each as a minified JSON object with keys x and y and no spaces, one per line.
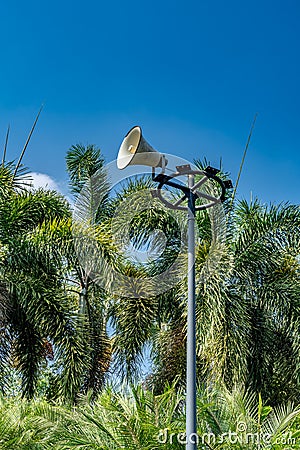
{"x":135,"y":150}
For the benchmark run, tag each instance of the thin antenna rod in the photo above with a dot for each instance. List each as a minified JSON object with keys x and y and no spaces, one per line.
{"x":5,"y":146}
{"x":27,"y":142}
{"x":243,"y":160}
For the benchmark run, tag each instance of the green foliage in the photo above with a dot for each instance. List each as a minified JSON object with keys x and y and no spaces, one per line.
{"x":35,"y":308}
{"x":82,"y":163}
{"x":87,"y":176}
{"x":135,"y":418}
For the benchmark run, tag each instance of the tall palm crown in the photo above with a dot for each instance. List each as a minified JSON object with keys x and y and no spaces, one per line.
{"x":36,"y":309}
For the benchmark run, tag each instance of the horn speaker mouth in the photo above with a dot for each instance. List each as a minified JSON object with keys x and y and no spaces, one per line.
{"x":135,"y":150}
{"x":129,"y":147}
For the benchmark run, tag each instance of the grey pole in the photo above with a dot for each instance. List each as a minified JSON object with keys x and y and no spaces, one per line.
{"x":191,"y":409}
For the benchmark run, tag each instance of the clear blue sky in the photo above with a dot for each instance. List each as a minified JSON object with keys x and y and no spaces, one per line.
{"x":191,"y":73}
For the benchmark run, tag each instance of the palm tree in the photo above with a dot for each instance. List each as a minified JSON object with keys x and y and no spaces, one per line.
{"x":239,"y":419}
{"x":266,"y":269}
{"x":126,"y":418}
{"x":36,"y":311}
{"x":87,"y":178}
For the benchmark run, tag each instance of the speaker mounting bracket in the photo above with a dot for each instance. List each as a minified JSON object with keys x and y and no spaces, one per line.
{"x":201,"y":189}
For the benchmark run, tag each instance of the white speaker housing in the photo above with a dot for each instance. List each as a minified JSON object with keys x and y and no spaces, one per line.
{"x":135,"y":150}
